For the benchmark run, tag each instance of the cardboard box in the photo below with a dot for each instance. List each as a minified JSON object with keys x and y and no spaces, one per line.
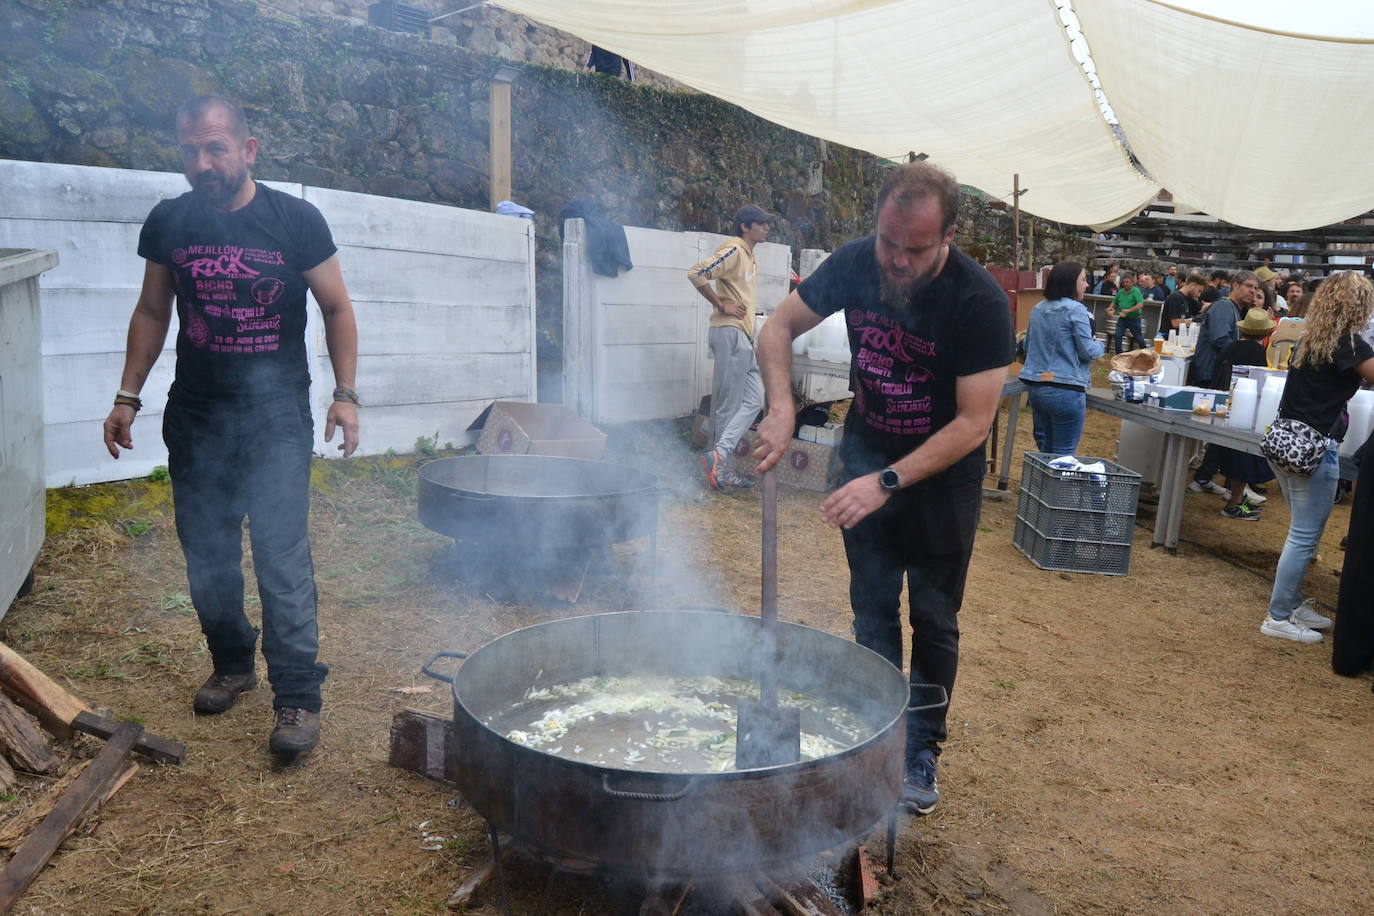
{"x":521,"y":428}
{"x":1186,"y":398}
{"x":809,"y":465}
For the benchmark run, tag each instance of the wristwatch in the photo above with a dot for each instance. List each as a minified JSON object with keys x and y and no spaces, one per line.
{"x":889,"y":479}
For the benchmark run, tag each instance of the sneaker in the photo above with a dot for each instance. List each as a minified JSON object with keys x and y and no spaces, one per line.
{"x":1241,"y":513}
{"x":1254,"y":498}
{"x":1287,"y":629}
{"x":221,"y":691}
{"x":1305,"y":615}
{"x":1208,"y":486}
{"x":712,"y":463}
{"x":1251,"y":506}
{"x":295,"y":732}
{"x":729,"y":477}
{"x":1259,"y":488}
{"x":920,"y":791}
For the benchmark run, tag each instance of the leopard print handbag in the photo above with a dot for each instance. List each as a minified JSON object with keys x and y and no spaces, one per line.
{"x":1293,"y":446}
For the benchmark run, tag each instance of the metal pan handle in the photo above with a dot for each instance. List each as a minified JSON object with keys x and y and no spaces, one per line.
{"x":944,"y":697}
{"x":688,"y":786}
{"x":472,"y":497}
{"x":438,"y":655}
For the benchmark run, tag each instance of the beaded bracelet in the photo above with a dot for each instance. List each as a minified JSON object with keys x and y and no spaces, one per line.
{"x":347,"y":395}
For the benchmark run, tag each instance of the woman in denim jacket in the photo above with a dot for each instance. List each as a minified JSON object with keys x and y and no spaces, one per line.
{"x":1060,"y":349}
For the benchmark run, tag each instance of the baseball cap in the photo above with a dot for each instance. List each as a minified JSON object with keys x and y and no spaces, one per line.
{"x":753,"y":213}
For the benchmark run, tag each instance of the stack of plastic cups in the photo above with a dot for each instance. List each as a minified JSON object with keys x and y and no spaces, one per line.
{"x":1244,"y":404}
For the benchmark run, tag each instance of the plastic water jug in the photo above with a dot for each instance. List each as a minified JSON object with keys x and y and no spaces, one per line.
{"x":1244,"y":404}
{"x":1269,"y":400}
{"x":1360,"y":409}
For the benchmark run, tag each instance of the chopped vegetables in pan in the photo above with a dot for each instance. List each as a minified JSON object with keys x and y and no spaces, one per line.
{"x":661,"y":724}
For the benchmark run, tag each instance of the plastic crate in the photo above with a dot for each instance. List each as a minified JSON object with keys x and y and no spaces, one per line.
{"x":1076,"y":521}
{"x":1118,"y":492}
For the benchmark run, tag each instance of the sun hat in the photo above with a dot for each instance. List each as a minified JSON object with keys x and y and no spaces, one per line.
{"x":1256,"y":321}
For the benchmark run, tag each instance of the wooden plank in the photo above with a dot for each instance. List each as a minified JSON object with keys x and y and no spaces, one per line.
{"x":473,"y":882}
{"x":49,"y":191}
{"x":91,"y":255}
{"x":75,"y":453}
{"x":395,"y":328}
{"x":7,"y":777}
{"x":421,"y":742}
{"x":85,"y":792}
{"x":429,"y":378}
{"x":26,"y":745}
{"x":18,"y":827}
{"x":389,"y":274}
{"x":499,"y":143}
{"x":78,"y":386}
{"x":368,"y":221}
{"x":38,"y":693}
{"x":161,"y":750}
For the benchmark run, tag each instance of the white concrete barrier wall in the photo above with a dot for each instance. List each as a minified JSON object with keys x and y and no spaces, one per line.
{"x":635,"y":345}
{"x":445,"y":302}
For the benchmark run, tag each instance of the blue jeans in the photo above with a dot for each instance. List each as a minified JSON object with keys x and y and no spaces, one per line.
{"x":1057,"y":418}
{"x":1131,"y":324}
{"x":1309,"y":504}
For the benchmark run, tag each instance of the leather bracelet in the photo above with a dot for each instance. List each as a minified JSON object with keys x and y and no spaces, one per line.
{"x":347,"y":395}
{"x":129,"y":400}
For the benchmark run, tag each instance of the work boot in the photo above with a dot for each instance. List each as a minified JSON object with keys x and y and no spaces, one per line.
{"x":295,"y":732}
{"x":220,"y":692}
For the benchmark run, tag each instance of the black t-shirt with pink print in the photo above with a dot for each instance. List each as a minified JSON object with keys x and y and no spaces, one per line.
{"x":905,"y":362}
{"x":240,"y":291}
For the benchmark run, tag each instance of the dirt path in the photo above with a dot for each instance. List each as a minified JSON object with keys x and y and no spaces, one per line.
{"x":1117,"y":745}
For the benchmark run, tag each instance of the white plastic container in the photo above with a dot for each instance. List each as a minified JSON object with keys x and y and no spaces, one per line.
{"x":1269,"y":399}
{"x":1244,"y":404}
{"x":1361,"y":410}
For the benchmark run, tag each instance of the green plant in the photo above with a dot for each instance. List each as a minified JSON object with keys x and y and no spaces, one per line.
{"x":160,"y":474}
{"x":179,"y":602}
{"x":1004,"y":683}
{"x":428,"y":445}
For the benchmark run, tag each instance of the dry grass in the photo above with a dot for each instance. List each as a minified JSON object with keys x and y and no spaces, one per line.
{"x":1118,"y":745}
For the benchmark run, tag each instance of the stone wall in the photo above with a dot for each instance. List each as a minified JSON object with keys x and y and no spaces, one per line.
{"x":487,"y":30}
{"x":337,"y":103}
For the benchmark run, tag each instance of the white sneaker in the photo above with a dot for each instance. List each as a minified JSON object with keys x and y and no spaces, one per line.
{"x":1195,"y":487}
{"x":1255,"y":499}
{"x":1209,"y":486}
{"x":1287,"y":629}
{"x":1305,"y":615}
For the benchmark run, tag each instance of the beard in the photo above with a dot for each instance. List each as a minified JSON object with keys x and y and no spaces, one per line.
{"x":899,"y":294}
{"x":217,"y":187}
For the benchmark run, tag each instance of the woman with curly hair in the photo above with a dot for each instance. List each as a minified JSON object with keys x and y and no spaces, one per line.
{"x":1326,"y":369}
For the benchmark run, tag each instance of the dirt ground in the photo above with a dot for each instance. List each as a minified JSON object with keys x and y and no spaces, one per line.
{"x":1117,"y":744}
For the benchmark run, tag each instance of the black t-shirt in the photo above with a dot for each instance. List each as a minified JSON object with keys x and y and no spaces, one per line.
{"x":240,"y":287}
{"x":905,"y":362}
{"x":1316,"y":395}
{"x":1176,"y":305}
{"x":1210,"y":294}
{"x":1243,"y":352}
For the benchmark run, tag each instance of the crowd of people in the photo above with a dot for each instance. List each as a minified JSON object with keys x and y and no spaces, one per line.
{"x":1237,"y":313}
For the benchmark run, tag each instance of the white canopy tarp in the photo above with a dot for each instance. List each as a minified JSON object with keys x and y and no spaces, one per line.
{"x":990,"y":88}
